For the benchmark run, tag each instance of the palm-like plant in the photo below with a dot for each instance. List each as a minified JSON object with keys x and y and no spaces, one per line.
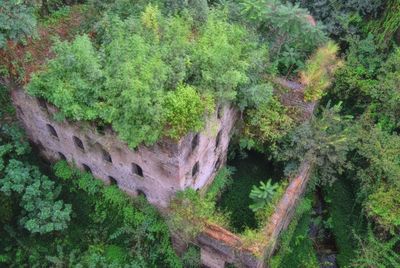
{"x":262,"y":194}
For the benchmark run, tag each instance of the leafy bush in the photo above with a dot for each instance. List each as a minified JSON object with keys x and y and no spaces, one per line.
{"x":44,"y":214}
{"x":190,"y":213}
{"x":191,"y":257}
{"x":186,"y":111}
{"x":266,"y":125}
{"x":262,"y":194}
{"x":288,"y":29}
{"x":346,"y":217}
{"x":17,"y":20}
{"x":143,"y":73}
{"x":383,"y":205}
{"x":319,"y":71}
{"x":376,"y":252}
{"x":324,"y":142}
{"x":295,"y":247}
{"x":222,"y":180}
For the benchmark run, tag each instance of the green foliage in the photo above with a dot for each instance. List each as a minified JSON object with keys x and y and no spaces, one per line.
{"x":144,"y":73}
{"x":357,"y":77}
{"x":17,"y":20}
{"x":323,"y":141}
{"x":265,"y":125}
{"x":191,"y":257}
{"x":376,"y":252}
{"x":377,"y":157}
{"x":319,"y":71}
{"x":347,"y":219}
{"x":190,"y":213}
{"x":72,"y":79}
{"x":343,"y":17}
{"x":296,"y":248}
{"x":235,"y":200}
{"x":262,"y":194}
{"x":186,"y":111}
{"x":221,"y":182}
{"x":288,"y":30}
{"x":126,"y":222}
{"x":383,"y":206}
{"x":38,"y":198}
{"x":385,"y":27}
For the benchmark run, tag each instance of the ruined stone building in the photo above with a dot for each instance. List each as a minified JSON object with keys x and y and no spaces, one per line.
{"x":157,"y":171}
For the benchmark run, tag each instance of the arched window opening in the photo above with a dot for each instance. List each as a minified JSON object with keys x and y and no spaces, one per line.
{"x":106,"y":156}
{"x":78,"y":143}
{"x":218,"y":163}
{"x":42,"y":104}
{"x":218,"y":139}
{"x":62,"y":156}
{"x":136,"y":169}
{"x":87,"y":168}
{"x":195,"y":141}
{"x":52,"y":131}
{"x":220,"y":112}
{"x":195,"y":169}
{"x":141,"y":193}
{"x":113,"y":181}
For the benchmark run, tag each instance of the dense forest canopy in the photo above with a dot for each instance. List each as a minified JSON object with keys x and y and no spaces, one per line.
{"x":158,"y":69}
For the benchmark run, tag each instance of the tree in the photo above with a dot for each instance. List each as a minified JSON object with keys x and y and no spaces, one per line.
{"x":43,"y":214}
{"x":323,"y":141}
{"x":17,"y":20}
{"x":319,"y":71}
{"x":262,"y":194}
{"x":291,"y":32}
{"x":71,"y":81}
{"x":185,"y":111}
{"x":36,"y":193}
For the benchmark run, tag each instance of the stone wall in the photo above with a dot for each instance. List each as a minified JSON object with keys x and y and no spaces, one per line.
{"x":157,"y":171}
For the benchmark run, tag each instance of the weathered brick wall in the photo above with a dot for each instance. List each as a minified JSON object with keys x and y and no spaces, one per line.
{"x":157,"y":171}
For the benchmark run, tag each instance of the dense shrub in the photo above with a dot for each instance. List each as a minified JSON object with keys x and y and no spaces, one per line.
{"x":319,"y":71}
{"x":141,"y":73}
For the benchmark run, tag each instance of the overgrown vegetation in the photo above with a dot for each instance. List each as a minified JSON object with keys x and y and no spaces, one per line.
{"x":155,"y":69}
{"x":69,"y":218}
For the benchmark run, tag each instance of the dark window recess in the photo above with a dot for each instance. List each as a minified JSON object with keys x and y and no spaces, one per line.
{"x":141,"y":193}
{"x":218,"y":139}
{"x":78,"y":143}
{"x":136,"y":169}
{"x":113,"y":181}
{"x":219,"y":112}
{"x":87,"y":168}
{"x":106,"y":156}
{"x":195,"y":169}
{"x":62,"y":156}
{"x":42,"y":104}
{"x":52,"y":130}
{"x":195,"y":141}
{"x":218,"y":163}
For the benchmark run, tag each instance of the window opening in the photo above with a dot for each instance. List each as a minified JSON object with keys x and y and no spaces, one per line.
{"x":52,"y":130}
{"x":195,"y":169}
{"x":78,"y":143}
{"x":113,"y":181}
{"x":218,"y":139}
{"x":136,"y":169}
{"x":62,"y":156}
{"x":106,"y":156}
{"x":195,"y":141}
{"x":87,"y":168}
